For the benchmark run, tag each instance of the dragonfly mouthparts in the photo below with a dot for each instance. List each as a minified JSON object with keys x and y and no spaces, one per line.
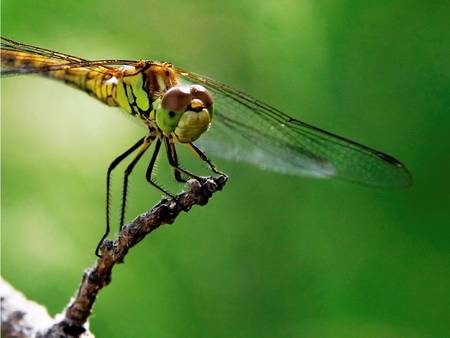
{"x":196,"y":105}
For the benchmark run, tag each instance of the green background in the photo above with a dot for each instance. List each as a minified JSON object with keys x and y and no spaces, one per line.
{"x":271,"y":255}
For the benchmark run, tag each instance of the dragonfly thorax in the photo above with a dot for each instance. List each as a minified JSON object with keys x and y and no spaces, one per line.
{"x":185,"y":112}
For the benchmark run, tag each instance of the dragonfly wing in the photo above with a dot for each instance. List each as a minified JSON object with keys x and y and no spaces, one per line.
{"x":7,"y":44}
{"x":244,"y":128}
{"x":259,"y":145}
{"x":19,"y":58}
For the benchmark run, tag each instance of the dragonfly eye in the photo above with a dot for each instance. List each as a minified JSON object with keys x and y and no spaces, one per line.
{"x":176,"y":99}
{"x":180,"y":99}
{"x":200,"y":92}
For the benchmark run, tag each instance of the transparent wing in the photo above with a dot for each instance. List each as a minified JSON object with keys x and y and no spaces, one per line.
{"x":246,"y":129}
{"x":7,"y":44}
{"x":41,"y":60}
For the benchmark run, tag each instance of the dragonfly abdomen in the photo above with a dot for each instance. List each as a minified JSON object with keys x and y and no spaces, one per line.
{"x":100,"y":83}
{"x":97,"y":81}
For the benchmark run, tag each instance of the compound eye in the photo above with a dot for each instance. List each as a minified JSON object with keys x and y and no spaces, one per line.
{"x":200,"y":92}
{"x":176,"y":99}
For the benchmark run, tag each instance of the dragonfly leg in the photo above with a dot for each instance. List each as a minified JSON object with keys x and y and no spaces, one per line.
{"x":111,"y":167}
{"x":176,"y":172}
{"x":147,"y":142}
{"x":148,"y":173}
{"x":177,"y":175}
{"x":197,"y":151}
{"x":173,"y":161}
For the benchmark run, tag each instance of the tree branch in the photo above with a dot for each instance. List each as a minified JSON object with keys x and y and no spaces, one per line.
{"x":73,"y":321}
{"x":94,"y":279}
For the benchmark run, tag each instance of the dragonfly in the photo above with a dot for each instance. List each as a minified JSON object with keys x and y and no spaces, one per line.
{"x":179,"y":107}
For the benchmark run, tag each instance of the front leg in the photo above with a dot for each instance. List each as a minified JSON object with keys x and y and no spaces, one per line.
{"x":173,"y":161}
{"x":197,"y":151}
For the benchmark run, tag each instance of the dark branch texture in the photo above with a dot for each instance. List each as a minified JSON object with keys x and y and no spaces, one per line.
{"x":73,"y":321}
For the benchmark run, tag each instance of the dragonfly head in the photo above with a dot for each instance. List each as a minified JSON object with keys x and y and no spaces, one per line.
{"x":185,"y":111}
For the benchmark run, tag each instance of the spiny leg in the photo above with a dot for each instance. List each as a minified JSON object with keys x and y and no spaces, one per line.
{"x":173,"y":161}
{"x":176,"y":172}
{"x":111,"y":167}
{"x":148,"y":173}
{"x":147,"y":141}
{"x":197,"y":151}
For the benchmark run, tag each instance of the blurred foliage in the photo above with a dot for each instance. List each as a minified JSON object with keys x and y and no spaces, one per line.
{"x":271,"y":255}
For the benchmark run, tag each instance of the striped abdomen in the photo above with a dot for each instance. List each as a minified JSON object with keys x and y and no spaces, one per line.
{"x":97,"y":81}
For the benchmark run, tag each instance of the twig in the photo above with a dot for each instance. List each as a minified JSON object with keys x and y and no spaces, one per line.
{"x":76,"y":314}
{"x":21,"y":317}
